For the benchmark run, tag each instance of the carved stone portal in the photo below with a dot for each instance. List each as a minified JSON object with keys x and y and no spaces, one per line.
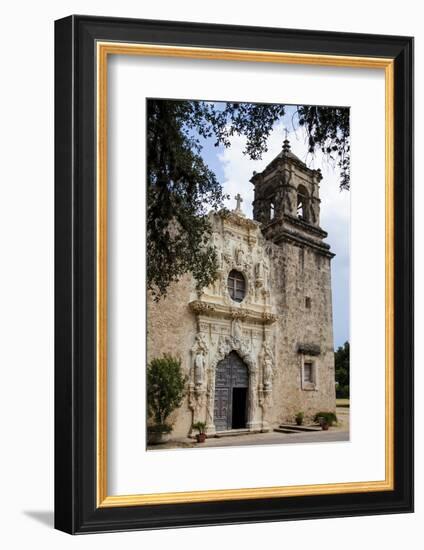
{"x":232,"y":356}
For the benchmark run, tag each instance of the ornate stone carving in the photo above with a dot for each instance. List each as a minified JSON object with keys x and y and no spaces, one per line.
{"x":267,"y":364}
{"x":237,"y":329}
{"x":234,"y":326}
{"x":197,"y":384}
{"x":199,"y":353}
{"x":239,"y":257}
{"x":198,"y":306}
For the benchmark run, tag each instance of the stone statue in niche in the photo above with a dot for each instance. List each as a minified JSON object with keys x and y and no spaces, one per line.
{"x":237,"y":330}
{"x":239,"y":256}
{"x":200,"y":350}
{"x":199,"y":368}
{"x":267,"y":364}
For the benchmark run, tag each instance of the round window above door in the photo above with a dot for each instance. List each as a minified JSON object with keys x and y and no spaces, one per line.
{"x":236,"y":285}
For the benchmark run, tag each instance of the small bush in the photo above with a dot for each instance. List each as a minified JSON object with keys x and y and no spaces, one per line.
{"x":200,"y":426}
{"x":328,"y":417}
{"x":165,"y":387}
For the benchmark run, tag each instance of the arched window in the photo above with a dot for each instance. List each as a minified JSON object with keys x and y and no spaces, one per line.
{"x":302,"y":202}
{"x":236,"y":285}
{"x":272,"y":211}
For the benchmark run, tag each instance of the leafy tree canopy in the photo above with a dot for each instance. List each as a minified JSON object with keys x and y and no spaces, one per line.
{"x":182,"y":188}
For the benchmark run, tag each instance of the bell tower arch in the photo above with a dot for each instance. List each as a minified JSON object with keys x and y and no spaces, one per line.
{"x":287,"y":203}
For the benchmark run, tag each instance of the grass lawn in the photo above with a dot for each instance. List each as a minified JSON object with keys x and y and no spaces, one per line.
{"x":342,"y":402}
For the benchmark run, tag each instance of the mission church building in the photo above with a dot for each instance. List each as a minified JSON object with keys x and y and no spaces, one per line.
{"x":257,"y":344}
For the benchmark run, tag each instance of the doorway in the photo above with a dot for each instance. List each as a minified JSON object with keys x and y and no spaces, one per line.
{"x":239,"y":408}
{"x":231,"y":383}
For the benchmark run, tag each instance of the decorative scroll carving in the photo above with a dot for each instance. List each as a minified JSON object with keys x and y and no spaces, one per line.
{"x":201,"y":307}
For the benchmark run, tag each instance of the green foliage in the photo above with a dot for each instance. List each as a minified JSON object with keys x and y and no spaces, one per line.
{"x":329,"y":417}
{"x":165,"y":387}
{"x":200,"y":427}
{"x":341,"y":360}
{"x":299,"y":418}
{"x":181,"y":188}
{"x":328,"y":129}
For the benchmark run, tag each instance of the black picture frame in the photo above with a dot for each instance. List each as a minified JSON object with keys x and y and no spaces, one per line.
{"x":76,"y":509}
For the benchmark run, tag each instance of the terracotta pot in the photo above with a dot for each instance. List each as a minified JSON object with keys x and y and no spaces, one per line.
{"x":200,"y":438}
{"x":324,"y":425}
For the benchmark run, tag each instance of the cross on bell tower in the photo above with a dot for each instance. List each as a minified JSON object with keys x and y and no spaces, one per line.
{"x":239,"y":200}
{"x":286,"y":142}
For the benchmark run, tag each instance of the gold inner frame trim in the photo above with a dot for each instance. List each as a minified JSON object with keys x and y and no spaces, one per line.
{"x":103,"y":50}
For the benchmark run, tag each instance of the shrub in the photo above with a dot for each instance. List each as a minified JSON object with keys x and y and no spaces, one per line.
{"x":328,"y":417}
{"x":165,"y":388}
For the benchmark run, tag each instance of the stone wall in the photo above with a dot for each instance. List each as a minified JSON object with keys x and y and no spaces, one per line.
{"x":297,"y":274}
{"x":171,"y":327}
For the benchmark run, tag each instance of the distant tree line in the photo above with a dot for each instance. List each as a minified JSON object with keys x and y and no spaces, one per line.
{"x":341,"y":359}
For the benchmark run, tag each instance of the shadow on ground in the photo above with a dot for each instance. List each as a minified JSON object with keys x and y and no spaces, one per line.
{"x":46,"y":517}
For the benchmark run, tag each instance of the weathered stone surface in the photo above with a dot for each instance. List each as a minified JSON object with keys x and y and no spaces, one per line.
{"x":284,"y":321}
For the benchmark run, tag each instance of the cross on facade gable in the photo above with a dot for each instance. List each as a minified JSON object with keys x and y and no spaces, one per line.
{"x":239,"y":201}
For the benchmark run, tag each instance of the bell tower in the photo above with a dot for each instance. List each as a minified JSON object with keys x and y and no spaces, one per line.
{"x":287,"y":202}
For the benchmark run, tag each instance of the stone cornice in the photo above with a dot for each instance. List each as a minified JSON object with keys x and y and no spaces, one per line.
{"x":240,"y":220}
{"x":296,"y":238}
{"x":284,"y":161}
{"x":309,"y":349}
{"x":306,"y":226}
{"x":228,"y":312}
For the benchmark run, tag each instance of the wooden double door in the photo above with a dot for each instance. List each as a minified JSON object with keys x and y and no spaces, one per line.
{"x":231,"y":393}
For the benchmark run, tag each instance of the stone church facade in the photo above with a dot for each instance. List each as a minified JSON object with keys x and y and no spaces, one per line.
{"x":257,"y":345}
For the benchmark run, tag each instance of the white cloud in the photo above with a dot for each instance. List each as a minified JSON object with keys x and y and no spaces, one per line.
{"x":238,"y":169}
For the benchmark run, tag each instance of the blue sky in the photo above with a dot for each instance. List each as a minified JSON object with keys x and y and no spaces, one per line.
{"x":233,"y":170}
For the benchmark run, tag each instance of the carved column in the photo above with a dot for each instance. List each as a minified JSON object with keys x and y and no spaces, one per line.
{"x":210,"y":404}
{"x":254,"y":422}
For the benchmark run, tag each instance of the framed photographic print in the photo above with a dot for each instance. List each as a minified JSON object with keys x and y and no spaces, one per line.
{"x":233,"y":271}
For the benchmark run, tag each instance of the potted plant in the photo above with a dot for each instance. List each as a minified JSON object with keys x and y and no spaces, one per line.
{"x":201,"y":436}
{"x":299,"y":418}
{"x":325,"y":419}
{"x":158,"y":433}
{"x":165,"y":392}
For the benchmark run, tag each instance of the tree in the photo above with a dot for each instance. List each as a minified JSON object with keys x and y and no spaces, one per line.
{"x":341,"y":360}
{"x":165,"y":387}
{"x":181,"y":188}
